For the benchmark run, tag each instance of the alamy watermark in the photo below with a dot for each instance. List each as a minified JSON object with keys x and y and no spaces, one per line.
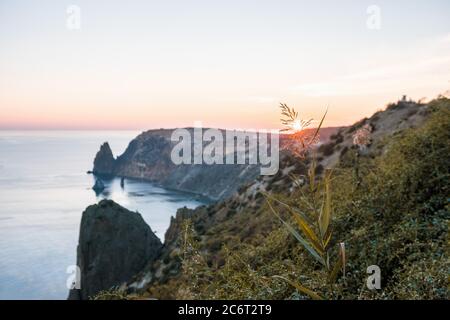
{"x":213,"y":146}
{"x":74,"y":279}
{"x":374,"y":17}
{"x":73,"y":19}
{"x":374,"y":280}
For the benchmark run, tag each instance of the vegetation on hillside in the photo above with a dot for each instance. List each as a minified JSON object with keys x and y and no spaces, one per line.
{"x":389,"y":206}
{"x":391,"y":211}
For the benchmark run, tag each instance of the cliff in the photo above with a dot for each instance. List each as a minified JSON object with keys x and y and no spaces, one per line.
{"x":114,"y":245}
{"x":148,"y":157}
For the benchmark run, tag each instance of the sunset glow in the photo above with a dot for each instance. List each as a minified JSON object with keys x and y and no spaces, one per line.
{"x":228,"y":64}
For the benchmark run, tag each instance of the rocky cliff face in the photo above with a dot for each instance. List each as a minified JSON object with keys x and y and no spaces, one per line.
{"x":104,"y":161}
{"x":148,"y":157}
{"x":114,"y":245}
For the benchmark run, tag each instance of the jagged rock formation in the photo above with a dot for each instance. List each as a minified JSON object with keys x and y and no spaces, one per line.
{"x":174,"y":229}
{"x":167,"y":264}
{"x":114,"y":245}
{"x":104,"y":161}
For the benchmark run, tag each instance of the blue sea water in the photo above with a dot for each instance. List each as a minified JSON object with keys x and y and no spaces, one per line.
{"x":44,"y":189}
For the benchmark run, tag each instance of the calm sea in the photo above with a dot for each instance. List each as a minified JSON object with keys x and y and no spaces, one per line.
{"x":44,"y":189}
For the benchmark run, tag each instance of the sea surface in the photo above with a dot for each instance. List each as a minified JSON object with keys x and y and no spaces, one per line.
{"x":44,"y":189}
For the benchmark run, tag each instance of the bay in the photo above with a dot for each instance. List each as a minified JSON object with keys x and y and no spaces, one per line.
{"x":44,"y":189}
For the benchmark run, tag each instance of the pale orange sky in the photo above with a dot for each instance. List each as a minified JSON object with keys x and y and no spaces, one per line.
{"x":150,"y":64}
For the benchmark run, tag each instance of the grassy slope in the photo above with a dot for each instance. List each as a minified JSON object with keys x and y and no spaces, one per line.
{"x":393,"y":212}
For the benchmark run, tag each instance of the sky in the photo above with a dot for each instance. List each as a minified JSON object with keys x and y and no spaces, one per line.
{"x":151,"y":64}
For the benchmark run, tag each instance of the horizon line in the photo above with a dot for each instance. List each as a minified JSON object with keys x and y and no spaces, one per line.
{"x":149,"y":129}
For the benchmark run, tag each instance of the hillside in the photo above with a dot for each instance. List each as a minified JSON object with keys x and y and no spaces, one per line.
{"x":390,"y":209}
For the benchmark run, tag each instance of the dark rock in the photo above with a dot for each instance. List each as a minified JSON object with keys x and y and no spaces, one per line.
{"x":104,"y":161}
{"x":99,"y":186}
{"x":114,"y":245}
{"x":148,"y":157}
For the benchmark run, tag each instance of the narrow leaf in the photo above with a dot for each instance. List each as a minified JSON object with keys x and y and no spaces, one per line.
{"x":334,"y":273}
{"x":299,"y":238}
{"x":320,"y":125}
{"x":312,"y":176}
{"x":325,"y":212}
{"x":307,"y":230}
{"x":292,"y":209}
{"x":327,"y":238}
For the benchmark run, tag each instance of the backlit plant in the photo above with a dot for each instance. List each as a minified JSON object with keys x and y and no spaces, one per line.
{"x":313,"y":228}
